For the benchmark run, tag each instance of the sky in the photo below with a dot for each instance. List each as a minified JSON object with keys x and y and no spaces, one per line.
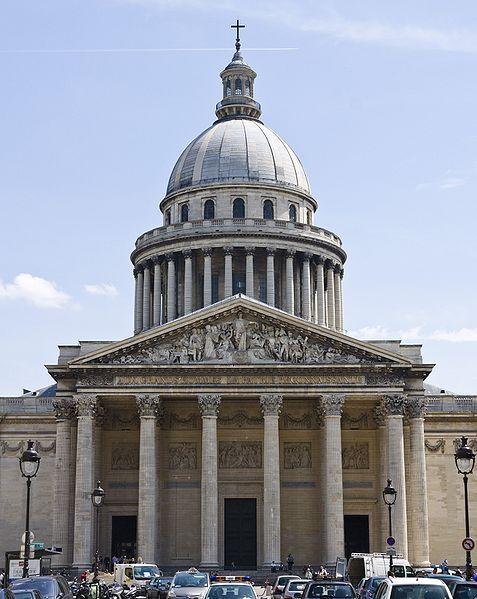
{"x":99,"y":97}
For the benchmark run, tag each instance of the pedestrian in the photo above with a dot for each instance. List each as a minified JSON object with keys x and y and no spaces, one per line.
{"x":308,"y":573}
{"x":434,"y":570}
{"x":107,"y":563}
{"x":391,"y":574}
{"x":267,"y":591}
{"x":273,"y":567}
{"x":2,"y":578}
{"x":322,"y":572}
{"x":290,"y":562}
{"x":445,"y":566}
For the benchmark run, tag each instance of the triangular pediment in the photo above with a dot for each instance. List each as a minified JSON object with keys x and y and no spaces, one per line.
{"x":240,"y":331}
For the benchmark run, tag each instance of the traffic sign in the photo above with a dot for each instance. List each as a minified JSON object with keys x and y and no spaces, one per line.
{"x":392,"y":552}
{"x":390,"y":541}
{"x":37,"y":546}
{"x":468,"y":544}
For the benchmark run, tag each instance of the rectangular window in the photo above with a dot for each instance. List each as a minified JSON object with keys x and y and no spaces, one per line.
{"x":262,"y":288}
{"x":215,"y":288}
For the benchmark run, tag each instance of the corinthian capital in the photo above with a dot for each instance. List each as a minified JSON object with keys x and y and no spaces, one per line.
{"x":209,"y":404}
{"x":64,"y":409}
{"x":416,"y":407}
{"x":394,"y":405}
{"x":332,"y":404}
{"x":148,"y":405}
{"x":379,"y":414}
{"x":271,"y":404}
{"x":86,"y":404}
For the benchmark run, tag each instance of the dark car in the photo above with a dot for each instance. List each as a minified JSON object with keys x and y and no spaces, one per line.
{"x":447,"y":578}
{"x":158,"y":587}
{"x":6,"y":594}
{"x":23,"y":594}
{"x":328,"y":588}
{"x":367,"y":587}
{"x":50,"y":587}
{"x":463,"y":589}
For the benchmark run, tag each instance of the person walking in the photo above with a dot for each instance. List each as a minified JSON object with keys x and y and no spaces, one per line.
{"x":290,"y":562}
{"x":309,"y":573}
{"x":267,"y":591}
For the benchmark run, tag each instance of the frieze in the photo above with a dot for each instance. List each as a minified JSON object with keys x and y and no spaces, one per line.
{"x":174,"y":421}
{"x":167,"y":380}
{"x":435,"y":445}
{"x":240,"y":454}
{"x":12,"y":449}
{"x":384,"y":378}
{"x":240,"y":420}
{"x":309,"y":420}
{"x":296,"y":456}
{"x":182,"y":456}
{"x":355,"y":422}
{"x":124,"y":456}
{"x":355,"y":456}
{"x":239,"y":341}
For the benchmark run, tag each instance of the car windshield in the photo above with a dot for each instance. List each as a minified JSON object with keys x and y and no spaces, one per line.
{"x":296,"y":586}
{"x":418,"y":591}
{"x":143,"y":572}
{"x":331,"y":590}
{"x":162,"y":581}
{"x":46,"y":587}
{"x":22,"y":595}
{"x":465,"y":591}
{"x":185,"y":579}
{"x":231,"y":591}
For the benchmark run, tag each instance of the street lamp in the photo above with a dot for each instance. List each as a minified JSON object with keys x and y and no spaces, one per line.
{"x":465,"y":461}
{"x":389,"y":496}
{"x":29,"y":465}
{"x":97,"y":499}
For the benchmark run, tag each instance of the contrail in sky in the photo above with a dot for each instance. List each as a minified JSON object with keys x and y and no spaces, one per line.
{"x":135,"y":50}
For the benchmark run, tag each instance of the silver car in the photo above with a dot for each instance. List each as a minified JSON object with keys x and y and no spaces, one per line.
{"x":190,"y":584}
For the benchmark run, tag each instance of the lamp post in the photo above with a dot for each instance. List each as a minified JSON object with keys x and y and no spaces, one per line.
{"x":465,"y":461}
{"x":97,"y":499}
{"x":389,"y":496}
{"x":29,"y":465}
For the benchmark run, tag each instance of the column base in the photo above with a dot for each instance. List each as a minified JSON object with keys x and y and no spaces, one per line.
{"x":209,"y":565}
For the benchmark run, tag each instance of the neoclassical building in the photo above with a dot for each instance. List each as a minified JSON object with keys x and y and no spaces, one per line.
{"x":239,"y":422}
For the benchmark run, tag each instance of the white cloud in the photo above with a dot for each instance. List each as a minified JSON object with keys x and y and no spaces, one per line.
{"x":458,"y":336}
{"x":101,"y":289}
{"x":452,"y":183}
{"x":35,"y":290}
{"x":381,"y":332}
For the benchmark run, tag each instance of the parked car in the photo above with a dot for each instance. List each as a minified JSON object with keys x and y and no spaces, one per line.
{"x":463,"y":589}
{"x":280,"y":582}
{"x":447,"y":578}
{"x":412,"y":588}
{"x":367,"y":565}
{"x":328,"y":588}
{"x":190,"y":584}
{"x":294,"y":588}
{"x":51,"y":587}
{"x":367,"y":587}
{"x":158,"y":587}
{"x":231,"y":590}
{"x":24,"y":594}
{"x":6,"y":594}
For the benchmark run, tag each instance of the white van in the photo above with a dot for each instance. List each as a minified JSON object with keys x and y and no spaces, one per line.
{"x":137,"y":574}
{"x":365,"y":565}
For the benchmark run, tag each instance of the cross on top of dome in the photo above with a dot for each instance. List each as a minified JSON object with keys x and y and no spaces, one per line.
{"x":237,"y":27}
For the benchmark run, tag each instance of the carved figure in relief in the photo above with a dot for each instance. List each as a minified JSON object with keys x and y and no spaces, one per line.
{"x":125,"y":456}
{"x":237,"y":454}
{"x":356,"y":456}
{"x":297,"y":455}
{"x":182,"y":456}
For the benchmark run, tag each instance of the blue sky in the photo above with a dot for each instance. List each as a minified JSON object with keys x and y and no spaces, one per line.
{"x":378,"y":100}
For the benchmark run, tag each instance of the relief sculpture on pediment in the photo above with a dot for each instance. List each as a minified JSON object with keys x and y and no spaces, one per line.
{"x":240,"y":454}
{"x":239,"y":341}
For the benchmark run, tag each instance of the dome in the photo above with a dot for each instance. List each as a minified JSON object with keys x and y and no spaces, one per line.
{"x":238,"y":150}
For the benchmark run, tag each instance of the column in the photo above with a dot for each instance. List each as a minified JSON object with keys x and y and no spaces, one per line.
{"x":146,"y":300}
{"x":332,"y":408}
{"x":228,"y":253}
{"x":271,"y":406}
{"x":271,"y":276}
{"x":138,"y":300}
{"x":156,"y":305}
{"x":418,"y":525}
{"x":86,"y":406}
{"x":297,"y":286}
{"x":171,"y":287}
{"x":337,"y":290}
{"x":340,"y":282}
{"x":64,"y":412}
{"x":209,"y":407}
{"x":393,"y":406}
{"x":320,"y":291}
{"x":249,"y":286}
{"x":187,"y":281}
{"x":381,"y":421}
{"x":148,"y":407}
{"x":306,"y":287}
{"x":289,"y":282}
{"x":330,"y":293}
{"x":207,"y":276}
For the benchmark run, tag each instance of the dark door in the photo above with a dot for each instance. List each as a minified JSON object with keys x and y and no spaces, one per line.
{"x":240,"y":534}
{"x":356,"y":533}
{"x":123,"y":538}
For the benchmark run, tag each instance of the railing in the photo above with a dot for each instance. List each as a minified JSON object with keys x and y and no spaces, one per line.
{"x":205,"y":225}
{"x":22,"y":405}
{"x":457,"y":404}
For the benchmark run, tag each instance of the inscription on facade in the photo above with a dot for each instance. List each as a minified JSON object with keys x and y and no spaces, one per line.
{"x":167,"y":380}
{"x":297,"y":455}
{"x":240,"y":454}
{"x":124,"y":456}
{"x":355,"y":456}
{"x":182,"y":456}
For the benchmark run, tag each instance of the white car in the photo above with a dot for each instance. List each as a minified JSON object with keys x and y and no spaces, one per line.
{"x":412,"y":588}
{"x":231,"y":590}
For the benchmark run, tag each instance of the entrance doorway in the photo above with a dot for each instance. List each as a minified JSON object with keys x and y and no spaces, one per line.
{"x":356,"y":534}
{"x":240,"y":534}
{"x":123,"y":537}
